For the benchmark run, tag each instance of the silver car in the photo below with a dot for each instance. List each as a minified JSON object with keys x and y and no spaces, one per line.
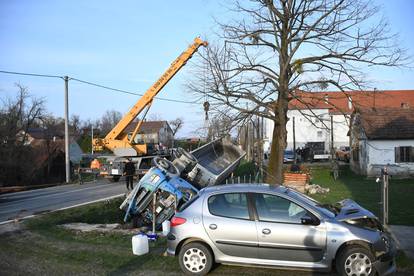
{"x":262,"y":225}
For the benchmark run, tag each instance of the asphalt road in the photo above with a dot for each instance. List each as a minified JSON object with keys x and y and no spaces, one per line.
{"x":27,"y":203}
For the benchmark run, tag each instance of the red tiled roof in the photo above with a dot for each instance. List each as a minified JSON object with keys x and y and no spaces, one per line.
{"x":339,"y":102}
{"x":387,"y":123}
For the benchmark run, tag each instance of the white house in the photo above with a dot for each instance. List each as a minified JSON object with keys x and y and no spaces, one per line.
{"x":313,"y":112}
{"x":383,"y":137}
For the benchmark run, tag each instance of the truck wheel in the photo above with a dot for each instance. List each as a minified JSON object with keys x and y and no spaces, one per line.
{"x":355,"y":260}
{"x":115,"y":178}
{"x":165,"y":165}
{"x":195,"y":259}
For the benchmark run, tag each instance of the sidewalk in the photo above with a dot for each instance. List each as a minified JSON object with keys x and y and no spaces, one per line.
{"x":404,"y":236}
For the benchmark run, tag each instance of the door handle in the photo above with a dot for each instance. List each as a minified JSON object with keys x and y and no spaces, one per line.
{"x":213,"y":226}
{"x":266,"y":231}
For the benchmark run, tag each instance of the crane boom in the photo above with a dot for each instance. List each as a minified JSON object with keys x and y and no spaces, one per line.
{"x":114,"y":140}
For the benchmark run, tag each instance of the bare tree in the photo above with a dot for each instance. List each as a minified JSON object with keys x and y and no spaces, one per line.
{"x":275,"y":48}
{"x":17,"y":116}
{"x":109,"y":120}
{"x":75,"y":125}
{"x":176,"y":125}
{"x":155,"y":117}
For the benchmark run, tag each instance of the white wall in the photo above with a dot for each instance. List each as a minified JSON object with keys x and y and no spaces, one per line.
{"x":305,"y":131}
{"x":382,"y":152}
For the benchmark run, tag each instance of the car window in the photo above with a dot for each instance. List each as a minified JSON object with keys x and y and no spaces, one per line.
{"x":277,"y":209}
{"x":232,"y":205}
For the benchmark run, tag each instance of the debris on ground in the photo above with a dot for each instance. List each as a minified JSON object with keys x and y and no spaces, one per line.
{"x":315,"y":189}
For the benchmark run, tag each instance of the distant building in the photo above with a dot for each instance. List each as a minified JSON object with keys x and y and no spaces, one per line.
{"x":48,"y":149}
{"x":152,"y":132}
{"x":383,"y":137}
{"x":313,"y":112}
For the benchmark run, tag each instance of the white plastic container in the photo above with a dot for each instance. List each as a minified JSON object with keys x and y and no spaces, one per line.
{"x":140,"y":244}
{"x":165,"y":227}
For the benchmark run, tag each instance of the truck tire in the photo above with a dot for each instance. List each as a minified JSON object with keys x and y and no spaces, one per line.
{"x":115,"y":178}
{"x":187,"y":154}
{"x":165,"y":165}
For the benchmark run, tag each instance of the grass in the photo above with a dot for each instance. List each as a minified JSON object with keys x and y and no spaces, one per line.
{"x":367,"y":193}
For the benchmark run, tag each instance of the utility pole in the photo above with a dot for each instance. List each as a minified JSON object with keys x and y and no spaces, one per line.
{"x":67,"y":164}
{"x":92,"y":139}
{"x":294,"y":141}
{"x":332,"y":139}
{"x":385,"y":179}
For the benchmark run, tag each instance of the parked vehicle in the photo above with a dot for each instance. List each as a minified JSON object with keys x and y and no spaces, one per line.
{"x":288,"y":156}
{"x":343,"y":153}
{"x":262,"y":225}
{"x":316,"y":151}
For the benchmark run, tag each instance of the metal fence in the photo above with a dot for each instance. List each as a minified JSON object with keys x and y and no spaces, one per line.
{"x":249,"y":178}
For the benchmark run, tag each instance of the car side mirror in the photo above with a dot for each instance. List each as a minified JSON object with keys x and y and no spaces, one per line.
{"x":309,"y":220}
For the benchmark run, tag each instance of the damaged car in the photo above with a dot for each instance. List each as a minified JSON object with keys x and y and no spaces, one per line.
{"x":274,"y":226}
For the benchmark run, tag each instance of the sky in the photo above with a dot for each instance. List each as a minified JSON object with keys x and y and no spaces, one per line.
{"x":128,"y":45}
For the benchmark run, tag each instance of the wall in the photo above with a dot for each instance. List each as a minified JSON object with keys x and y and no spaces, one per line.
{"x":305,"y":131}
{"x":166,"y":136}
{"x":382,"y":152}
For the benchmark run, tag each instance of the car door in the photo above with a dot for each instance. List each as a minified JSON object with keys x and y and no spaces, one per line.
{"x":230,"y":225}
{"x":282,"y":235}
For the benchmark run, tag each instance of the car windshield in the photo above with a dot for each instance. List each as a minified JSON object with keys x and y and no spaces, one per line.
{"x":327,"y":209}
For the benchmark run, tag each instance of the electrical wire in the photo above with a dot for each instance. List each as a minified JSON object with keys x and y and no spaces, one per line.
{"x":129,"y":92}
{"x":96,"y":85}
{"x":30,"y":74}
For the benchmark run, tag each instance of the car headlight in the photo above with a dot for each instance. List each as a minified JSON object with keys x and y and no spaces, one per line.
{"x":386,"y":241}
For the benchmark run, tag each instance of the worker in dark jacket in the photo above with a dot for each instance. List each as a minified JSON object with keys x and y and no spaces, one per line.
{"x":129,"y":171}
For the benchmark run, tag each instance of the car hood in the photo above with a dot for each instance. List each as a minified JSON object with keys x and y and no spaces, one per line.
{"x":352,"y":210}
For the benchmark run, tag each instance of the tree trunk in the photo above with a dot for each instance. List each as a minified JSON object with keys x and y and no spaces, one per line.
{"x":275,"y":169}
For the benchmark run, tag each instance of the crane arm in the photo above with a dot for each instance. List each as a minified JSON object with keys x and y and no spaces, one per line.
{"x":149,"y":95}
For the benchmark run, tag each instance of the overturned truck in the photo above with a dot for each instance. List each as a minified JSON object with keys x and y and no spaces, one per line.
{"x":168,"y":185}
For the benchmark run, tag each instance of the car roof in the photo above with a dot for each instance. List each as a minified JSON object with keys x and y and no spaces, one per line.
{"x":246,"y":187}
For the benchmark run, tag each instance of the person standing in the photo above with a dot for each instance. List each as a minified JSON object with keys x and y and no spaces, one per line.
{"x":129,"y":171}
{"x":95,"y":166}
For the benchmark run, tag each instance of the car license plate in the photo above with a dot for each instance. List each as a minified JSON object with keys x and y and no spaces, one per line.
{"x":115,"y":171}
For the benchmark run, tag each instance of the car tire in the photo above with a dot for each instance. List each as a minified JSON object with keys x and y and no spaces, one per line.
{"x":355,"y":260}
{"x":195,"y":259}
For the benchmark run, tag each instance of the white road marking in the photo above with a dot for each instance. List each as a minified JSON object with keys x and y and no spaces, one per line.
{"x":61,"y":209}
{"x":17,"y":202}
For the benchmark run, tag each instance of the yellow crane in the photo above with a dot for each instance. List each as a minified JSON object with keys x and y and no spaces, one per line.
{"x":121,"y":143}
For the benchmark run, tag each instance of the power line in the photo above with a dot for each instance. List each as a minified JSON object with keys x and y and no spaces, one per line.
{"x":31,"y":74}
{"x":97,"y":85}
{"x":129,"y":92}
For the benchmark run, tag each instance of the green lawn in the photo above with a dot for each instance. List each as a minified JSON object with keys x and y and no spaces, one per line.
{"x":367,"y":193}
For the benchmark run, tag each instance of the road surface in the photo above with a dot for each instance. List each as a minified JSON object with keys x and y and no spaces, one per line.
{"x":27,"y":203}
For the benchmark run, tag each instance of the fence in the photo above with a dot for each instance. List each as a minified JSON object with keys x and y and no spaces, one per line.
{"x":248,"y":178}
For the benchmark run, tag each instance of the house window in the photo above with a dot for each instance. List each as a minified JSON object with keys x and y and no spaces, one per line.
{"x":404,"y":154}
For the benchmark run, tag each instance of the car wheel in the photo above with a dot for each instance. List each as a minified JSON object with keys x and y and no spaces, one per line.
{"x":355,"y":261}
{"x":195,"y":259}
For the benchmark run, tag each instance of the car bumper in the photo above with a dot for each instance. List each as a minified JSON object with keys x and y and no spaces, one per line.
{"x":172,"y":244}
{"x":385,"y":267}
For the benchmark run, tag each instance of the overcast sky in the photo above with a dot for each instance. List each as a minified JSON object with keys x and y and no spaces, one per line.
{"x":128,"y":45}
